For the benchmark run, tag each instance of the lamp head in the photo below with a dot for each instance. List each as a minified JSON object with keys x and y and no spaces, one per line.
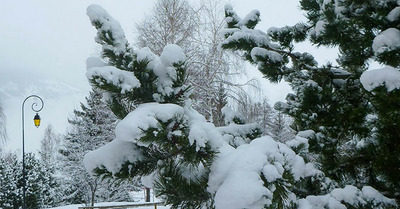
{"x":36,"y":120}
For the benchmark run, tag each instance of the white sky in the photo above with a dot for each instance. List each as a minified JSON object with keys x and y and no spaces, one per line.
{"x":44,"y":45}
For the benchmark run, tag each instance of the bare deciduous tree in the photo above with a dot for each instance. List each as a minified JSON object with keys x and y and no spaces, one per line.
{"x":197,"y":29}
{"x":170,"y":22}
{"x":3,"y":129}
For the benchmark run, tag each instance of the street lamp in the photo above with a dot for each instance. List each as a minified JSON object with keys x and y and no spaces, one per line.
{"x":36,"y":121}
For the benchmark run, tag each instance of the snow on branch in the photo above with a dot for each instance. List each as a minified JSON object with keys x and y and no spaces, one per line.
{"x":243,"y":173}
{"x":165,"y":69}
{"x":109,"y":31}
{"x":388,"y":77}
{"x":387,"y":40}
{"x":340,"y":198}
{"x":145,"y":116}
{"x":123,"y":80}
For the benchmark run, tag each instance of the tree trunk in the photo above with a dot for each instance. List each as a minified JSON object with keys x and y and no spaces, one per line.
{"x":147,"y":194}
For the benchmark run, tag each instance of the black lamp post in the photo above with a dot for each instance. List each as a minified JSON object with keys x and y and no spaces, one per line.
{"x":36,"y":121}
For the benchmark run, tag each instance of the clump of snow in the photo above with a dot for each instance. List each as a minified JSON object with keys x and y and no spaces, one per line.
{"x":165,"y":70}
{"x":301,"y":139}
{"x":387,"y":76}
{"x":112,"y":156}
{"x":98,"y":15}
{"x":112,"y":75}
{"x":144,"y":54}
{"x":129,"y":130}
{"x":372,"y":195}
{"x":253,"y":16}
{"x":271,"y":55}
{"x":256,"y":37}
{"x":94,"y":62}
{"x":233,"y":16}
{"x":319,"y":27}
{"x":123,"y":148}
{"x":236,"y":134}
{"x":306,"y":134}
{"x":347,"y":194}
{"x":172,"y":54}
{"x":350,"y":195}
{"x":201,"y":131}
{"x":394,"y":14}
{"x":145,"y":116}
{"x":237,"y":173}
{"x":387,"y":40}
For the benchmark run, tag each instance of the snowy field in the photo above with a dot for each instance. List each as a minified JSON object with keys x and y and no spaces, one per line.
{"x":111,"y":204}
{"x":137,"y":198}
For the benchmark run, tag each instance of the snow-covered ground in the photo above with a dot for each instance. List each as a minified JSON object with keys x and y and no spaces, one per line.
{"x":137,"y":198}
{"x":110,"y":204}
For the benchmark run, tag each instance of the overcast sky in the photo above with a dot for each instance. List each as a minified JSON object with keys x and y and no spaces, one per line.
{"x":44,"y":45}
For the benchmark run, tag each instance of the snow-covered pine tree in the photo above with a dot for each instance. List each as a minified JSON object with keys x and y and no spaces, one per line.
{"x":153,"y":139}
{"x":355,"y":142}
{"x":10,"y":184}
{"x":39,"y":183}
{"x":91,"y":127}
{"x":49,"y":146}
{"x":49,"y":158}
{"x":279,"y":127}
{"x":185,"y":158}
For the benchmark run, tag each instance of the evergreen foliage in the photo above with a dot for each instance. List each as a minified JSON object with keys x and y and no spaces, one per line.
{"x":355,"y":128}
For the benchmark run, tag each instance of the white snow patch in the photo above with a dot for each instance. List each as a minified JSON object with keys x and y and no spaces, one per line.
{"x":271,"y":55}
{"x":252,"y":16}
{"x":372,"y":195}
{"x":172,"y":54}
{"x":145,"y":54}
{"x":320,"y":27}
{"x":165,"y":70}
{"x":112,"y":156}
{"x":145,"y":116}
{"x":350,"y":195}
{"x":387,"y":40}
{"x":394,"y":14}
{"x":201,"y":131}
{"x":387,"y":76}
{"x":257,"y":37}
{"x":347,"y":194}
{"x":236,"y":134}
{"x":271,"y":173}
{"x":94,"y":62}
{"x":236,"y":173}
{"x":112,"y":75}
